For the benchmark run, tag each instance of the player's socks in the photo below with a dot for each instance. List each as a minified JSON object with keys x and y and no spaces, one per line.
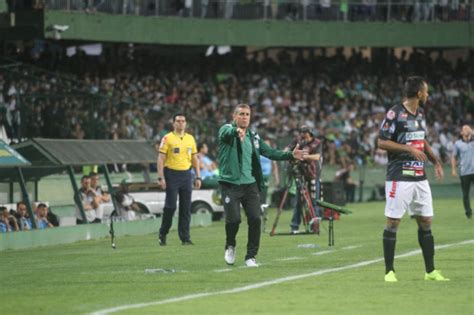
{"x":426,"y":241}
{"x":389,"y":241}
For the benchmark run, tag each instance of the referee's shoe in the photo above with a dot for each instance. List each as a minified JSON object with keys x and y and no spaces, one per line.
{"x":162,"y":239}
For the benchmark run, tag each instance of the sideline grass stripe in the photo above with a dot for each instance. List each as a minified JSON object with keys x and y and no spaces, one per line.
{"x":265,"y":283}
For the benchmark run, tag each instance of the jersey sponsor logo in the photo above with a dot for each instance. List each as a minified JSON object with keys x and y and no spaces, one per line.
{"x":413,"y":168}
{"x":419,"y":172}
{"x":415,"y":135}
{"x":413,"y":164}
{"x":385,"y":125}
{"x":408,"y":173}
{"x":391,"y":114}
{"x":418,"y":144}
{"x":176,"y":150}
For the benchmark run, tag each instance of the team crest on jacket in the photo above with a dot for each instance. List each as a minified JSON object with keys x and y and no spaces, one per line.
{"x":256,"y":140}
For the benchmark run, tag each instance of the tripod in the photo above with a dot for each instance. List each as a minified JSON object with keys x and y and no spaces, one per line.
{"x":310,"y":220}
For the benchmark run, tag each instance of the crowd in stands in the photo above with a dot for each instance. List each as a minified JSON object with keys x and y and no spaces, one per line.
{"x":343,"y":10}
{"x":342,"y":98}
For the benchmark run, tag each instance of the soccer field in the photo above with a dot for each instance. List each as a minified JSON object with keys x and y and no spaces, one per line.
{"x":299,"y":274}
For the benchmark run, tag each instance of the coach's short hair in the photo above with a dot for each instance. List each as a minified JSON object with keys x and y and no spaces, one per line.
{"x":413,"y":85}
{"x":241,"y":105}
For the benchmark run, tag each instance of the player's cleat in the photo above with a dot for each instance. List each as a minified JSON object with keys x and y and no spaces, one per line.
{"x":435,"y":275}
{"x":391,"y":277}
{"x":187,"y":242}
{"x":251,"y":262}
{"x":229,"y":255}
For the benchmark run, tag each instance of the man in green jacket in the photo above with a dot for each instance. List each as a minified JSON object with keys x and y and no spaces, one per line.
{"x":241,"y":179}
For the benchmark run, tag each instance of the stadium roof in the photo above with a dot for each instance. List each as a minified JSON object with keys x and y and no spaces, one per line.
{"x":50,"y":156}
{"x":10,"y":158}
{"x":60,"y":152}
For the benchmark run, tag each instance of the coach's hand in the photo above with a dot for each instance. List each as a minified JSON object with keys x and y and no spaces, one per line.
{"x":241,"y":133}
{"x":439,"y":173}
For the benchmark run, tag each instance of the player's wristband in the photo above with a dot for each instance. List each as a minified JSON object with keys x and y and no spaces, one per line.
{"x":160,"y":178}
{"x":198,"y":178}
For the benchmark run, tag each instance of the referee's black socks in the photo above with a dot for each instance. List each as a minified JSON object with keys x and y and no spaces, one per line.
{"x":389,"y":241}
{"x":426,"y":241}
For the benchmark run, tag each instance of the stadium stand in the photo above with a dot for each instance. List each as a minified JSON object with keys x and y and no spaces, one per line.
{"x":343,"y":97}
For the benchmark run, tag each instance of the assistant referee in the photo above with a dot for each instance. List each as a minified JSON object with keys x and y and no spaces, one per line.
{"x":176,"y":155}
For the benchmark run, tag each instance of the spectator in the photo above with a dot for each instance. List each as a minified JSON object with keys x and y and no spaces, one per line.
{"x":208,"y":166}
{"x":8,"y":222}
{"x":269,"y":169}
{"x":42,"y":221}
{"x":95,"y":186}
{"x":90,"y":203}
{"x":127,"y":207}
{"x":22,"y":217}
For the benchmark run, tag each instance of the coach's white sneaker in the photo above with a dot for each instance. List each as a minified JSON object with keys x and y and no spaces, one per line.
{"x":251,"y":262}
{"x":229,"y":255}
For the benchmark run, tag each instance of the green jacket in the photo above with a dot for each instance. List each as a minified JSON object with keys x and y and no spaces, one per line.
{"x":230,"y":155}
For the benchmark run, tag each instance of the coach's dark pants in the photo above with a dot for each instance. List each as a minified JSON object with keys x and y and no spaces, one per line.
{"x":248,"y":196}
{"x":177,"y":183}
{"x":466,"y":181}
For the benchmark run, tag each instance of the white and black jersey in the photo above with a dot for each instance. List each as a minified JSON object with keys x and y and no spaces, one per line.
{"x":403,"y":127}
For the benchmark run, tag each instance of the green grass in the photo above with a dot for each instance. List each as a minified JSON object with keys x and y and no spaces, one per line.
{"x":88,"y":276}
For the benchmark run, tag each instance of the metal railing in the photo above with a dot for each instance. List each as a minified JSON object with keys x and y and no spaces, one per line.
{"x":292,"y":10}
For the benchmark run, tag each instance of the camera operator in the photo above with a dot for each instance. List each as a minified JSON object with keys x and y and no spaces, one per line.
{"x":306,"y":172}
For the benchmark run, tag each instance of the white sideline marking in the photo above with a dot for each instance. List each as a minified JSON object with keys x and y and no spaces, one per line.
{"x":264,"y":283}
{"x":351,"y":247}
{"x":324,"y":252}
{"x":289,"y":258}
{"x":223,"y":270}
